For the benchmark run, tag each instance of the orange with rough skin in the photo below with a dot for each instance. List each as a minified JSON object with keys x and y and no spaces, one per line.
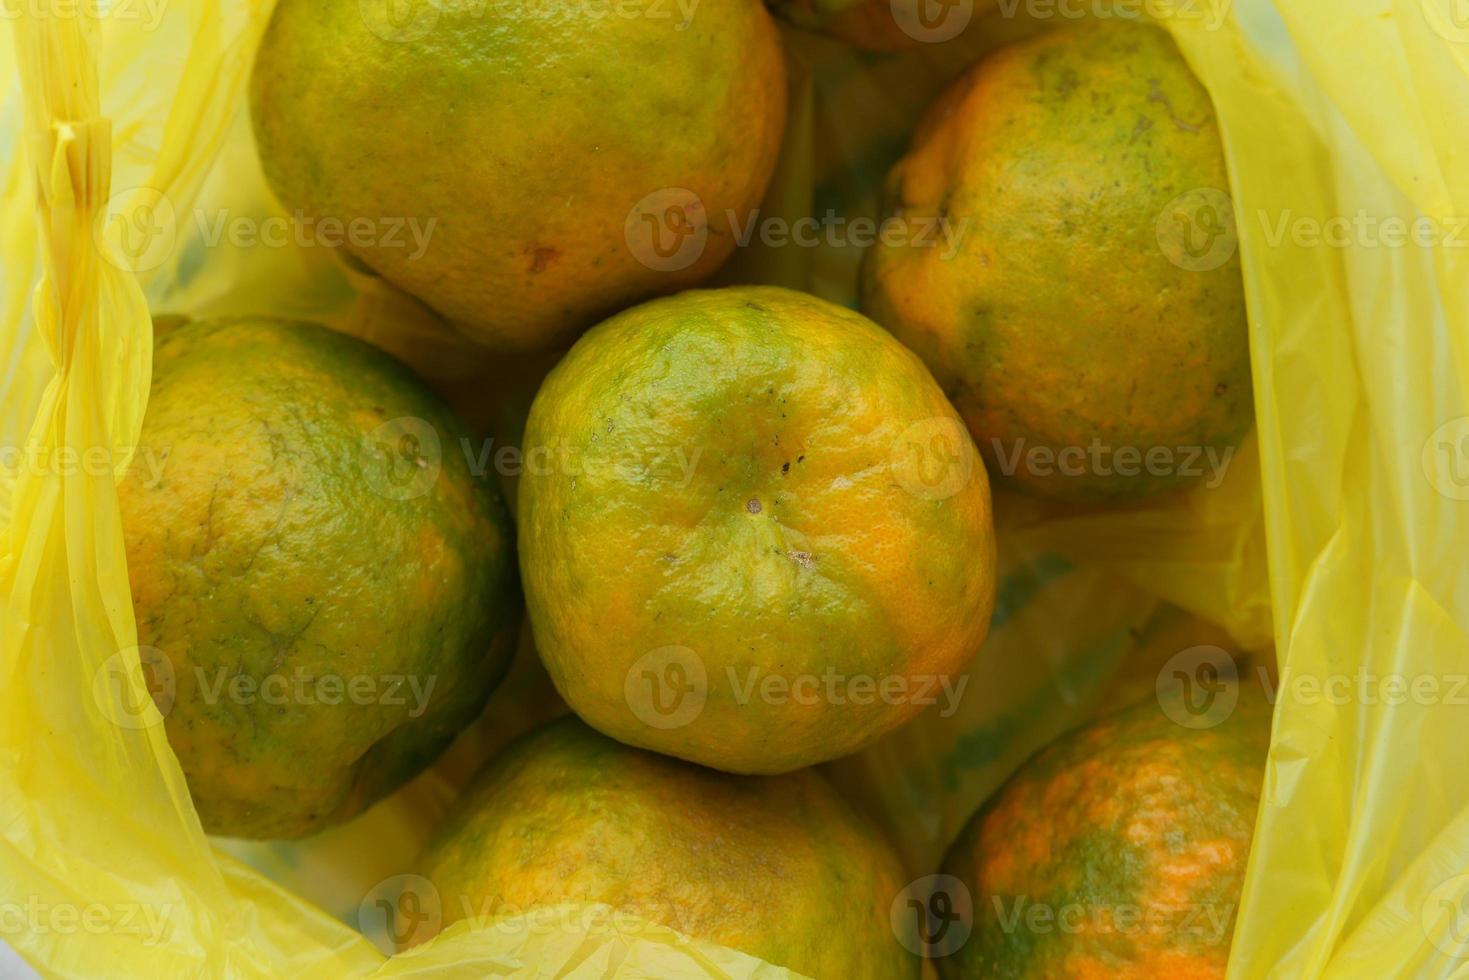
{"x":1119,"y":851}
{"x":1083,"y":305}
{"x":523,"y":168}
{"x":754,"y":534}
{"x":325,"y":591}
{"x":779,"y":867}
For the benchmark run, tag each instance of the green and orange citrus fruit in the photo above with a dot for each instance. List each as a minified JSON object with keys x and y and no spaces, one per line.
{"x":754,"y":534}
{"x":1119,"y":851}
{"x":552,"y":165}
{"x":775,"y":866}
{"x":329,"y":590}
{"x":1085,"y":310}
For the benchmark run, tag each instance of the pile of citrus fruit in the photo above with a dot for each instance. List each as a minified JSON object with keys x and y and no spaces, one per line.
{"x":754,"y":528}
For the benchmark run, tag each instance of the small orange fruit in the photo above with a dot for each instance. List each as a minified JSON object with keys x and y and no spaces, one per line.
{"x":1068,"y":269}
{"x":522,"y":168}
{"x":1119,"y":851}
{"x":754,"y":534}
{"x":779,"y":867}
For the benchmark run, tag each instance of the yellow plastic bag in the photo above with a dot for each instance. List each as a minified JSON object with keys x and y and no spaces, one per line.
{"x":128,"y":124}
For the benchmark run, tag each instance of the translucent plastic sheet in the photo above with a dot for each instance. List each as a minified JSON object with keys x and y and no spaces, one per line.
{"x":1354,"y":496}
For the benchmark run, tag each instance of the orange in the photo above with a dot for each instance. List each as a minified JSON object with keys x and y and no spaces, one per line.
{"x":522,"y":168}
{"x":754,"y":534}
{"x":1080,"y":299}
{"x":324,"y":592}
{"x":1119,"y":851}
{"x":776,"y":866}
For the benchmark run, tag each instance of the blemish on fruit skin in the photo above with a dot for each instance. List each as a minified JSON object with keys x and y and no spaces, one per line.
{"x":752,"y":505}
{"x":802,"y":558}
{"x":541,"y":257}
